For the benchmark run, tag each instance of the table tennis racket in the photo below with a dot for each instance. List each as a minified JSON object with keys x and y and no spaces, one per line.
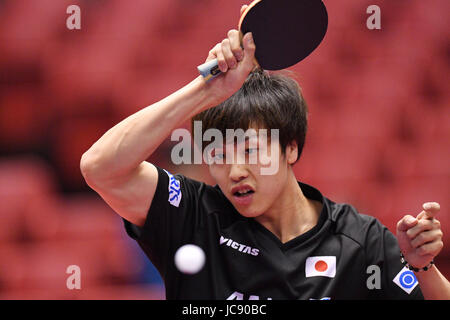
{"x":284,"y":31}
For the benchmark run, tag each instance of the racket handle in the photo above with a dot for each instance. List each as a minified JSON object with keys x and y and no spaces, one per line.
{"x":209,"y":70}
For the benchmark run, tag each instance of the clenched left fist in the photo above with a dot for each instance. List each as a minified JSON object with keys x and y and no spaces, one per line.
{"x":420,"y":238}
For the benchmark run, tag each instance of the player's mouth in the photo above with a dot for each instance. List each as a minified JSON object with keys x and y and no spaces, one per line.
{"x":242,"y":194}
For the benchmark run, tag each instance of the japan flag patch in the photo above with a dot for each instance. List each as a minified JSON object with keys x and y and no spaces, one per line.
{"x":320,"y":266}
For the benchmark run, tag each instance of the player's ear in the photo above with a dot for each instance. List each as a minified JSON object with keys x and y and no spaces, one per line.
{"x":291,"y":152}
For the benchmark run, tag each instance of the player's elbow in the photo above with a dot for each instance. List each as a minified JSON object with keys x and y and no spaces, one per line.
{"x":88,"y":167}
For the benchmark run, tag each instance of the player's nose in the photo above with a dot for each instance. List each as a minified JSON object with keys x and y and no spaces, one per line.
{"x":238,"y":172}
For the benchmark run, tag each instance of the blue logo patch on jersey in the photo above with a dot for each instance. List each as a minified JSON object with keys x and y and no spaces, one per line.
{"x":406,"y":280}
{"x":174,"y":190}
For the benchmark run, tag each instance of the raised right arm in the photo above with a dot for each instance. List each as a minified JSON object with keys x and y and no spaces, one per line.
{"x":115,"y":165}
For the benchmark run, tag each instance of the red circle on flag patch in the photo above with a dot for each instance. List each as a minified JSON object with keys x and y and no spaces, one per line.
{"x":321,"y":266}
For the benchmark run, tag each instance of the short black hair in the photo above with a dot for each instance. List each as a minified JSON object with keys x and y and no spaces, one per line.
{"x":266,"y":100}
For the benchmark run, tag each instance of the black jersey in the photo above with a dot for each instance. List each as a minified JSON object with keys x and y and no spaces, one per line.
{"x":347,"y":255}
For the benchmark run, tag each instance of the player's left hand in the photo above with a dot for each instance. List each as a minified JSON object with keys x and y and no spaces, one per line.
{"x":420,"y":238}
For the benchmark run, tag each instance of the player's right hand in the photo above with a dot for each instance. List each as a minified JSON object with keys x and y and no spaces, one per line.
{"x":235,"y":62}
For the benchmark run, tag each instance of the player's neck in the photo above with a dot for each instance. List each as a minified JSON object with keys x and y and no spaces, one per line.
{"x":292,"y":215}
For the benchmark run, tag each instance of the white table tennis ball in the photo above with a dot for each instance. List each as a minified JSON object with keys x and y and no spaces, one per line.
{"x":189,"y":258}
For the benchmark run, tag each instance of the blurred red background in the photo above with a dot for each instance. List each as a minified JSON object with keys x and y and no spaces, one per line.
{"x":378,"y":138}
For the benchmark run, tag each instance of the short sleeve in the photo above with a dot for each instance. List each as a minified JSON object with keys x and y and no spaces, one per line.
{"x":382,"y":250}
{"x":172,"y":219}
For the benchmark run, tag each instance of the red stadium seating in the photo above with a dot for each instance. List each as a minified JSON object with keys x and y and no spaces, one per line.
{"x":378,"y":137}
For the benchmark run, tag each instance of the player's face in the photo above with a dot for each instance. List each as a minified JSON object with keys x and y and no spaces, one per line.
{"x":254,"y":178}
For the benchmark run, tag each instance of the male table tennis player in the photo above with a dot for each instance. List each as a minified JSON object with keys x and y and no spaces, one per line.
{"x":264,"y":236}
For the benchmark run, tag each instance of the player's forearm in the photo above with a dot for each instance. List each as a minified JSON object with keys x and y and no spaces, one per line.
{"x":122,"y":148}
{"x":433,"y":284}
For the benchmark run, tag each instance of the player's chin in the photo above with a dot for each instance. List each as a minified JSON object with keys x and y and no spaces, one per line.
{"x":249,"y":213}
{"x":247,"y":205}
